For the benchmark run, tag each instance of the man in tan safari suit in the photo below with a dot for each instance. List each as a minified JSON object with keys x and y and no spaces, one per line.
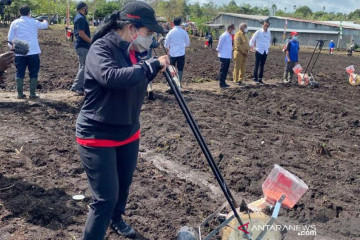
{"x":241,"y":51}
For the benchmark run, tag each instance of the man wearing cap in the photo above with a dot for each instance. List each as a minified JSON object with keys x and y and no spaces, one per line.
{"x":331,"y":47}
{"x":261,"y":41}
{"x":291,"y":58}
{"x":241,"y":51}
{"x":117,"y":73}
{"x":82,"y":45}
{"x":176,"y":41}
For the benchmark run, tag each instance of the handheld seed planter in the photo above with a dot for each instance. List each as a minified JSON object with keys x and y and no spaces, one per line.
{"x":280,"y":188}
{"x":307,"y":78}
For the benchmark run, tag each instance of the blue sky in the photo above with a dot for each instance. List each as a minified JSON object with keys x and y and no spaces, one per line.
{"x":344,"y":6}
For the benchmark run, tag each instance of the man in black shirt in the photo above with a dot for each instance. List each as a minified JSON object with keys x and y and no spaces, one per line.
{"x":82,"y":45}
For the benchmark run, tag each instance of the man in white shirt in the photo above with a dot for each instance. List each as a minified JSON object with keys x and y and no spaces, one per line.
{"x":26,"y":29}
{"x":225,"y":49}
{"x":261,"y":41}
{"x":176,"y":41}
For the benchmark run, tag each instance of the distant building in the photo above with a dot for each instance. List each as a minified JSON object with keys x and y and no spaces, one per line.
{"x":309,"y":30}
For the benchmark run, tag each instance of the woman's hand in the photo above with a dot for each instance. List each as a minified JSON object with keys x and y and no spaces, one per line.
{"x":164,"y":62}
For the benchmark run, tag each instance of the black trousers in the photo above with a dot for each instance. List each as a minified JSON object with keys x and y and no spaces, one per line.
{"x":289,"y":69}
{"x":109,"y":171}
{"x":32,"y":62}
{"x":224,"y":68}
{"x":210,"y":44}
{"x":178,"y":62}
{"x":260,"y":60}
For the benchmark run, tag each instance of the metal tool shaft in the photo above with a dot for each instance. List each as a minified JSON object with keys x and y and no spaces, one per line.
{"x":195,"y":129}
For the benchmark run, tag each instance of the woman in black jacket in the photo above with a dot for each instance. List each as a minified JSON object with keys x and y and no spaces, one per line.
{"x":108,"y":127}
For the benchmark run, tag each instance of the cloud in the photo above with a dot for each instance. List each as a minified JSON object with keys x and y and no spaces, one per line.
{"x":343,"y":6}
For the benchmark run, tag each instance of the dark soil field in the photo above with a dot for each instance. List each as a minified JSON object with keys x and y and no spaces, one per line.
{"x":248,"y":129}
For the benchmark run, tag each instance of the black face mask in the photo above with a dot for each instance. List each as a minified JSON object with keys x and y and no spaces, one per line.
{"x":86,"y":11}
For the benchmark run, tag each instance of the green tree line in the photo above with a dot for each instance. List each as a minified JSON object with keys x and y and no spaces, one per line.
{"x":174,"y":8}
{"x":97,"y":8}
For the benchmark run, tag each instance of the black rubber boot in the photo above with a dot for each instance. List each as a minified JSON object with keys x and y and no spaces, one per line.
{"x":151,"y":96}
{"x":19,"y":88}
{"x":33,"y":85}
{"x":180,"y":73}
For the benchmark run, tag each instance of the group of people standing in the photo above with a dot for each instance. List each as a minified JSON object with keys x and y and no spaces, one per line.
{"x":176,"y":41}
{"x":239,"y":49}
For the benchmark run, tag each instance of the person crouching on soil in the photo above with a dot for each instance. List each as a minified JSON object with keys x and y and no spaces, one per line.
{"x":292,"y":57}
{"x":108,"y":126}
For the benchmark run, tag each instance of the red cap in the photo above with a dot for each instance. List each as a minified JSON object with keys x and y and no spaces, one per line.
{"x":294,"y":33}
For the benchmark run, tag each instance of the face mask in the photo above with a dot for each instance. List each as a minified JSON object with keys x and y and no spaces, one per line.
{"x":246,"y":30}
{"x":295,"y":38}
{"x":141,"y":44}
{"x":86,"y":11}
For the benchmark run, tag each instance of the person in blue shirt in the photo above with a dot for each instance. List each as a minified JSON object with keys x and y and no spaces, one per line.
{"x":82,"y":45}
{"x":331,"y":47}
{"x":292,"y":57}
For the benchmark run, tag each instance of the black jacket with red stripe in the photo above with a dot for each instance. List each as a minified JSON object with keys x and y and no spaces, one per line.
{"x":115,"y":90}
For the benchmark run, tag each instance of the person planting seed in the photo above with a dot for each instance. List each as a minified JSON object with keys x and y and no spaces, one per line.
{"x":108,"y":126}
{"x":331,"y":47}
{"x":292,"y":57}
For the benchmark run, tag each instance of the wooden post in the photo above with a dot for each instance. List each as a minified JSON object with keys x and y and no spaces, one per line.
{"x":67,"y":14}
{"x":340,"y":36}
{"x":94,"y":3}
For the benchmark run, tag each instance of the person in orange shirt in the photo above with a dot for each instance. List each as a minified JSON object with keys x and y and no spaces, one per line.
{"x":241,"y":51}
